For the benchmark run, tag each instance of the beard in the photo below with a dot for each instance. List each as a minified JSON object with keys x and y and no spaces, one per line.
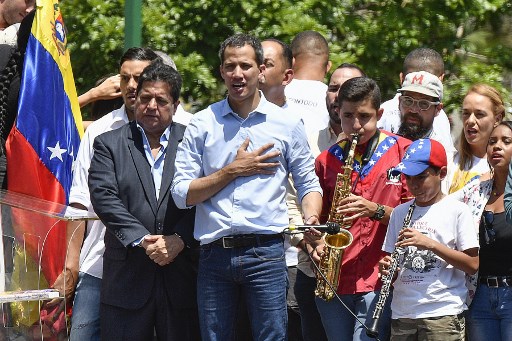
{"x":413,"y":131}
{"x":333,"y":116}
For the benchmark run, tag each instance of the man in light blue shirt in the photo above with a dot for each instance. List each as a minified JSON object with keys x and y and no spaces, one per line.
{"x":233,"y":165}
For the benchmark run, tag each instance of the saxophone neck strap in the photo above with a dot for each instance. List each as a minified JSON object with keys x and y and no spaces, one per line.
{"x":370,"y":148}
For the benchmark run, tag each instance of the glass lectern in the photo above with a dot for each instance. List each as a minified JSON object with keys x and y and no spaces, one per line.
{"x":35,"y":238}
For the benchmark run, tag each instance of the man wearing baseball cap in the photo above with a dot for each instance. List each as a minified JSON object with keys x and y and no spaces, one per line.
{"x":420,"y":102}
{"x":436,"y":235}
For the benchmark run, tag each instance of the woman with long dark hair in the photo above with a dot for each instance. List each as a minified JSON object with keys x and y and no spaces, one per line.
{"x":490,"y":313}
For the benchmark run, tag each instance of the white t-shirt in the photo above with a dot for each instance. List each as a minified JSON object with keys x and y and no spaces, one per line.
{"x":427,"y":286}
{"x":309,"y":96}
{"x":91,"y":254}
{"x":322,"y":140}
{"x":390,"y":121}
{"x":294,"y":211}
{"x":9,"y":35}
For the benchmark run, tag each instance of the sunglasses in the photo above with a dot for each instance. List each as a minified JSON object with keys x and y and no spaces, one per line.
{"x":490,"y":233}
{"x":423,"y":104}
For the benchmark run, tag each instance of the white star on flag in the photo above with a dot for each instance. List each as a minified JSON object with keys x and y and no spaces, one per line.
{"x":56,"y":151}
{"x":372,"y":162}
{"x":357,"y":167}
{"x":391,"y":141}
{"x":385,"y":147}
{"x":413,"y":151}
{"x":378,"y":154}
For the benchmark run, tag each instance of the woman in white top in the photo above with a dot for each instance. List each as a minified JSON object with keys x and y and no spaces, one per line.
{"x":482,"y":110}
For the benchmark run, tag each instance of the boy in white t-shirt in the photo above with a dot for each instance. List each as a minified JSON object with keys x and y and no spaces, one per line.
{"x":438,"y":247}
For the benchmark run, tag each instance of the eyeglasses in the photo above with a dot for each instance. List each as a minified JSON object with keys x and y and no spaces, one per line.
{"x":423,"y":104}
{"x":490,"y":233}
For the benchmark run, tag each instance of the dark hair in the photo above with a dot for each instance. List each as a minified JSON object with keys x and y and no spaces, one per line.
{"x":158,"y":71}
{"x":25,"y":30}
{"x":8,"y":106}
{"x":138,"y":53}
{"x":423,"y":59}
{"x":101,"y":107}
{"x":240,"y":40}
{"x":507,"y":124}
{"x":286,"y":52}
{"x":349,"y":66}
{"x":360,"y":89}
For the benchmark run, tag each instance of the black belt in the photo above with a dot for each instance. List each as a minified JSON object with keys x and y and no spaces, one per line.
{"x":496,"y":281}
{"x":245,"y":240}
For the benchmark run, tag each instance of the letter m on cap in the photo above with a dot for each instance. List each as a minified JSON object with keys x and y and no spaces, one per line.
{"x":417,"y":79}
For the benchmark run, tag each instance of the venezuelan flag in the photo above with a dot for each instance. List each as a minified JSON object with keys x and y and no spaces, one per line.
{"x":43,"y":143}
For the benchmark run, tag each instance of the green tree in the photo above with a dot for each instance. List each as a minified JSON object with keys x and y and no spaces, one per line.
{"x":375,"y":34}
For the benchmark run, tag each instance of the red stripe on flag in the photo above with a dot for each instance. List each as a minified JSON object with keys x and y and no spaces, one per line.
{"x":37,"y":181}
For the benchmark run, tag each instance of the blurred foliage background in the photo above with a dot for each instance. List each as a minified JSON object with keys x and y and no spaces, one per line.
{"x":473,"y":36}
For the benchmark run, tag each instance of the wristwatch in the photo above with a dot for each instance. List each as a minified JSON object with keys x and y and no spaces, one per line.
{"x":379,"y":214}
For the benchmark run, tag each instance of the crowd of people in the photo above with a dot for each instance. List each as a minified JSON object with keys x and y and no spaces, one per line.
{"x":193,"y":240}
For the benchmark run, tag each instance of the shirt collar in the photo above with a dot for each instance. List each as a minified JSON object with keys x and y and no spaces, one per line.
{"x":164,"y":139}
{"x":261,"y":108}
{"x":120,"y":114}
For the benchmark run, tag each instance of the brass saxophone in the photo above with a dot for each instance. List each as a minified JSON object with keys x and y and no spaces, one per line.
{"x":335,"y":245}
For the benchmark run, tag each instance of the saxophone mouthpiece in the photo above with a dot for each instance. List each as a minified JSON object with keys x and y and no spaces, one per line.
{"x":330,"y":227}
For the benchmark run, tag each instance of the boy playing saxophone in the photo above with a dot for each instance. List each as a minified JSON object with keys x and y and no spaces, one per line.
{"x":373,"y":193}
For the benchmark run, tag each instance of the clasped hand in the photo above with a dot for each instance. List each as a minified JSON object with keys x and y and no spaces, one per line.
{"x":163,"y":249}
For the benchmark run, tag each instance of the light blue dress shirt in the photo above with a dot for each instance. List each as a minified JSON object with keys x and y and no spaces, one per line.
{"x":157,"y":164}
{"x":252,"y":204}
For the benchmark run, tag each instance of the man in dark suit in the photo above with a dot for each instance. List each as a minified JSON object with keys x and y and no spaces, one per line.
{"x":149,"y":272}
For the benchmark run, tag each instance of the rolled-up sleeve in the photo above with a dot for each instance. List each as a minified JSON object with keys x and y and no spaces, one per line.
{"x":188,"y":164}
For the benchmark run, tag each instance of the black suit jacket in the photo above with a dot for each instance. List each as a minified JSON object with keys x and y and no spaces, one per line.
{"x":123,"y":196}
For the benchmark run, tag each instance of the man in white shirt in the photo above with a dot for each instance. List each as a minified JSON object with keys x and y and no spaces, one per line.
{"x":11,"y":14}
{"x":307,"y":89}
{"x":419,"y":104}
{"x":323,"y":139}
{"x":277,"y":57}
{"x":84,"y":265}
{"x":420,"y":59}
{"x":110,"y":89}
